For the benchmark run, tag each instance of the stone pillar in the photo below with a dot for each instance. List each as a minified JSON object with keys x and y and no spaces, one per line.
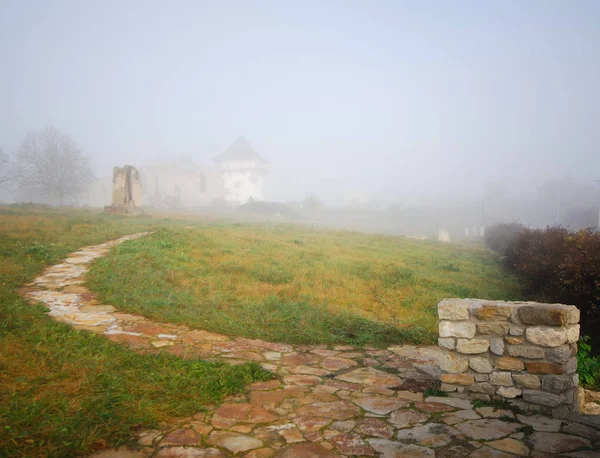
{"x":520,"y":351}
{"x":127,"y":191}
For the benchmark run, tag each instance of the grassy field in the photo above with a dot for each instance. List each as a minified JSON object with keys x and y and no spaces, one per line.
{"x":64,"y":393}
{"x":295,"y":284}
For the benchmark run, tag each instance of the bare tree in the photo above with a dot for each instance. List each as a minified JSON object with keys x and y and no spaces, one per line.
{"x":7,"y":172}
{"x":51,"y":164}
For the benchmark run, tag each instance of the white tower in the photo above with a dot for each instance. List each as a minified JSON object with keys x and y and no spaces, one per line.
{"x":243,"y":171}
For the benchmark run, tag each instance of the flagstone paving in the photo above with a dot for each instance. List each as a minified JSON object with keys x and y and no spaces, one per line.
{"x":325,"y":402}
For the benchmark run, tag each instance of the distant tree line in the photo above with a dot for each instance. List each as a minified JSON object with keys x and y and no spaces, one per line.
{"x":48,"y":165}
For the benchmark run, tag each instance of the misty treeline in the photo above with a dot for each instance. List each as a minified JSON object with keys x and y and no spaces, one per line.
{"x":48,"y":167}
{"x":554,"y":265}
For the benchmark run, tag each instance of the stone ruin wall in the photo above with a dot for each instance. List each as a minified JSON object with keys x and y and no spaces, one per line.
{"x":523,"y":352}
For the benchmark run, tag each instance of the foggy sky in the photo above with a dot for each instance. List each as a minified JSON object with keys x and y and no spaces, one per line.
{"x":407,"y":100}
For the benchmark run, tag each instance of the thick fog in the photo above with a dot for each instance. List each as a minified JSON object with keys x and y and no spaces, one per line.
{"x":433,"y":102}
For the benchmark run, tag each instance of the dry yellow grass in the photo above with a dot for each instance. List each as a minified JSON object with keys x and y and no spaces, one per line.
{"x":223,"y":275}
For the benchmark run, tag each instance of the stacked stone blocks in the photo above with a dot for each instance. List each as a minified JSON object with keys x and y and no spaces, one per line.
{"x":520,"y":351}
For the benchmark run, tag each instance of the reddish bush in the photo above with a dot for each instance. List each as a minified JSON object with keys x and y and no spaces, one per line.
{"x":556,"y":265}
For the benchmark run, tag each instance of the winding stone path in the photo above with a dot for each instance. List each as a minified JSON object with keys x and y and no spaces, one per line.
{"x":326,"y":402}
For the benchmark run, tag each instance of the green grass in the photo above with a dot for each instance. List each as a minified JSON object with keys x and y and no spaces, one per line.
{"x":294,"y":284}
{"x":65,"y":392}
{"x":434,"y":392}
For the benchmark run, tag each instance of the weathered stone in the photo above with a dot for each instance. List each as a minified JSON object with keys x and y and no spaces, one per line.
{"x":489,"y":452}
{"x":464,"y":404}
{"x":571,"y":366}
{"x":509,"y":363}
{"x":185,"y":452}
{"x":573,"y":333}
{"x":511,"y":446}
{"x":498,"y":329}
{"x":527,"y":381}
{"x":434,"y":407}
{"x":411,"y":396}
{"x":509,"y":392}
{"x":344,"y":426}
{"x":525,"y":351}
{"x":462,"y":329}
{"x":458,"y":379}
{"x":405,"y":418}
{"x":229,"y":414}
{"x":483,"y":387}
{"x":297,"y":359}
{"x":374,"y":427}
{"x":260,"y":415}
{"x":430,"y":435}
{"x":334,"y":363}
{"x":497,"y":346}
{"x":305,"y":451}
{"x":581,"y":430}
{"x":370,"y":376}
{"x":516,"y":330}
{"x":557,"y":383}
{"x":337,"y":410}
{"x":515,"y":340}
{"x":540,"y":423}
{"x":381,"y":405}
{"x":391,"y":449}
{"x":264,"y":452}
{"x":351,"y":444}
{"x":472,"y":346}
{"x":292,"y":435}
{"x":501,"y":378}
{"x":556,"y":443}
{"x":543,"y":398}
{"x":233,"y":442}
{"x":147,"y":438}
{"x":486,"y":429}
{"x":582,"y":454}
{"x":309,"y":370}
{"x":546,"y":336}
{"x":453,"y":364}
{"x":549,"y":315}
{"x":560,"y":354}
{"x":454,"y":310}
{"x":447,"y":342}
{"x":453,"y":418}
{"x":481,"y":377}
{"x":542,"y":367}
{"x":492,"y":312}
{"x":127,"y":190}
{"x":481,"y":365}
{"x":448,"y":388}
{"x":306,"y":380}
{"x":182,"y":436}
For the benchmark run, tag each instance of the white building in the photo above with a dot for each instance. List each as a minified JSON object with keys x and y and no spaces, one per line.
{"x":243,"y":171}
{"x":236,"y":177}
{"x":181,"y":183}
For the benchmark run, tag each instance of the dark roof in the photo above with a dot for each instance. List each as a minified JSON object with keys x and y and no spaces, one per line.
{"x":240,"y":150}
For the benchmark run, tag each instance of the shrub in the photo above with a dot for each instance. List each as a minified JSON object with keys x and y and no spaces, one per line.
{"x":588,"y":366}
{"x":499,"y":236}
{"x":556,"y":265}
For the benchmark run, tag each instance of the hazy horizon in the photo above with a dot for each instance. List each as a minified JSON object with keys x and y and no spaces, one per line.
{"x":428,"y":100}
